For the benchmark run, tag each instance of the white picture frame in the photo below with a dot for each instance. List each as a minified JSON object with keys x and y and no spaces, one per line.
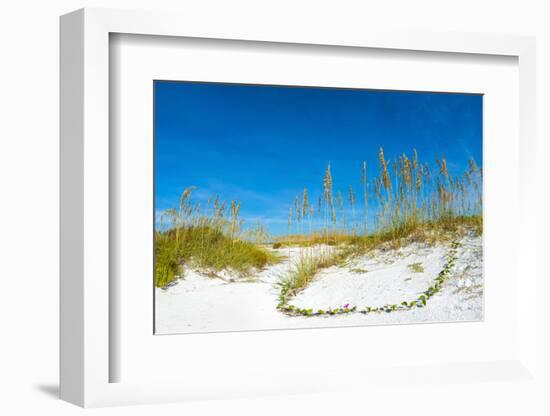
{"x":86,"y":356}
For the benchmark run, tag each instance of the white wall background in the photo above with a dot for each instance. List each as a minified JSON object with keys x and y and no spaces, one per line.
{"x":29,"y":205}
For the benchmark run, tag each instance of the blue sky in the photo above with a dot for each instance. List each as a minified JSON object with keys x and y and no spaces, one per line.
{"x":261,"y":145}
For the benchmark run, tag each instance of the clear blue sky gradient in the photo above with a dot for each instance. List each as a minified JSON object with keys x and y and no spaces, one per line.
{"x":261,"y":145}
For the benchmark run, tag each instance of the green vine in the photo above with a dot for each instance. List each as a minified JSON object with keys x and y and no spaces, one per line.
{"x":291,"y":310}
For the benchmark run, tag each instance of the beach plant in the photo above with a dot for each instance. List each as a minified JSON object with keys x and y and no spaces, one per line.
{"x":210,"y":239}
{"x":407,"y":199}
{"x":416,"y":267}
{"x":304,"y":270}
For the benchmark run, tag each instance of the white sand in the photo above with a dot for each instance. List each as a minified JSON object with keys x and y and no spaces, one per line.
{"x":199,"y":303}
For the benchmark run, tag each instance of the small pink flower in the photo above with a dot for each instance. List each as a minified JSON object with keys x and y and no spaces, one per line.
{"x":346,"y":305}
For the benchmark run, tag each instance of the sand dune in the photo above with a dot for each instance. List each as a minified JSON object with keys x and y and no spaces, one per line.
{"x":202,"y":303}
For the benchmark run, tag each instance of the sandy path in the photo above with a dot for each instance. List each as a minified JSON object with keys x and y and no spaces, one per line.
{"x":201,"y":304}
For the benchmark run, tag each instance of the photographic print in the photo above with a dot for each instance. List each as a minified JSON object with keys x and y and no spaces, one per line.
{"x":280,"y":207}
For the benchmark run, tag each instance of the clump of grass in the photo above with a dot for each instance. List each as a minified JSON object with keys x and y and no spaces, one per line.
{"x":167,"y":262}
{"x":207,"y":240}
{"x":358,"y":270}
{"x":305,"y":269}
{"x":416,"y":267}
{"x":207,"y":248}
{"x":302,"y":273}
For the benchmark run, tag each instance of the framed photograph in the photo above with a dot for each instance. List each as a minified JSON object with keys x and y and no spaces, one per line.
{"x":235,"y":206}
{"x":285,"y":207}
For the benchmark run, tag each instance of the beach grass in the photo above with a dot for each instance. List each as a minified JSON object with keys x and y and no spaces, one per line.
{"x":310,"y":262}
{"x":406,"y":201}
{"x":416,"y":267}
{"x":211,"y":242}
{"x":407,"y":198}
